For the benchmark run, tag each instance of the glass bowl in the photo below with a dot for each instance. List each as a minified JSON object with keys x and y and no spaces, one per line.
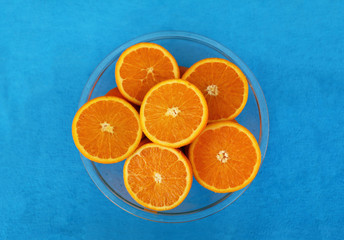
{"x":187,"y":48}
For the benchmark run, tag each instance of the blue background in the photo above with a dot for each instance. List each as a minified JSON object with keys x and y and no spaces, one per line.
{"x":48,"y":49}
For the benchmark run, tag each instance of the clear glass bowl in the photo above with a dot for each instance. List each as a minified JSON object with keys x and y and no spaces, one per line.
{"x":187,"y":48}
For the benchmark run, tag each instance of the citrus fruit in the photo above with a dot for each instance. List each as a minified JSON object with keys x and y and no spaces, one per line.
{"x":143,"y":141}
{"x":225,"y":157}
{"x":182,"y":70}
{"x":223,"y":84}
{"x":115,"y":93}
{"x":106,"y":129}
{"x":157,"y":177}
{"x":140,"y":67}
{"x":185,"y":149}
{"x":173,"y":113}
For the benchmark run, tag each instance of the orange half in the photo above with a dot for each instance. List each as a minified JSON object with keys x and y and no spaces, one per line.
{"x":157,"y":177}
{"x":223,"y":85}
{"x":225,"y":157}
{"x":106,"y":129}
{"x":142,"y":66}
{"x":173,"y":113}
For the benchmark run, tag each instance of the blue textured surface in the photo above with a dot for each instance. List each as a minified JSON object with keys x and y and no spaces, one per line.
{"x":47,"y":52}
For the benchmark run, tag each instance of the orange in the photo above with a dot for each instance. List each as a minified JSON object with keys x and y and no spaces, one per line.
{"x":157,"y":177}
{"x":106,"y":129}
{"x":173,"y":113}
{"x":185,"y":149}
{"x":182,"y":70}
{"x":223,"y":84}
{"x":142,"y":66}
{"x":225,"y":157}
{"x":116,"y":93}
{"x":144,"y":141}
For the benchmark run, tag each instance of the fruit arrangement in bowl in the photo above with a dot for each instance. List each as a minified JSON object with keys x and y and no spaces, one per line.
{"x":166,"y":123}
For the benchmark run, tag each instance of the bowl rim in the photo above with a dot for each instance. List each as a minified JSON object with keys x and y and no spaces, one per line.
{"x":221,"y":203}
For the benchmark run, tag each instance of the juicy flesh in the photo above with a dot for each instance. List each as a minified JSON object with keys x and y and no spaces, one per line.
{"x":107,"y":129}
{"x":142,"y":69}
{"x":173,"y":112}
{"x":221,"y":86}
{"x":224,"y":157}
{"x":157,"y":176}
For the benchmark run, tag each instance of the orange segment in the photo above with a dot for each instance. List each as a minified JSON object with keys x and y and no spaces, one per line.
{"x":173,"y":113}
{"x":157,"y":177}
{"x":142,"y":66}
{"x":223,"y":84}
{"x":106,"y":129}
{"x":225,"y":157}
